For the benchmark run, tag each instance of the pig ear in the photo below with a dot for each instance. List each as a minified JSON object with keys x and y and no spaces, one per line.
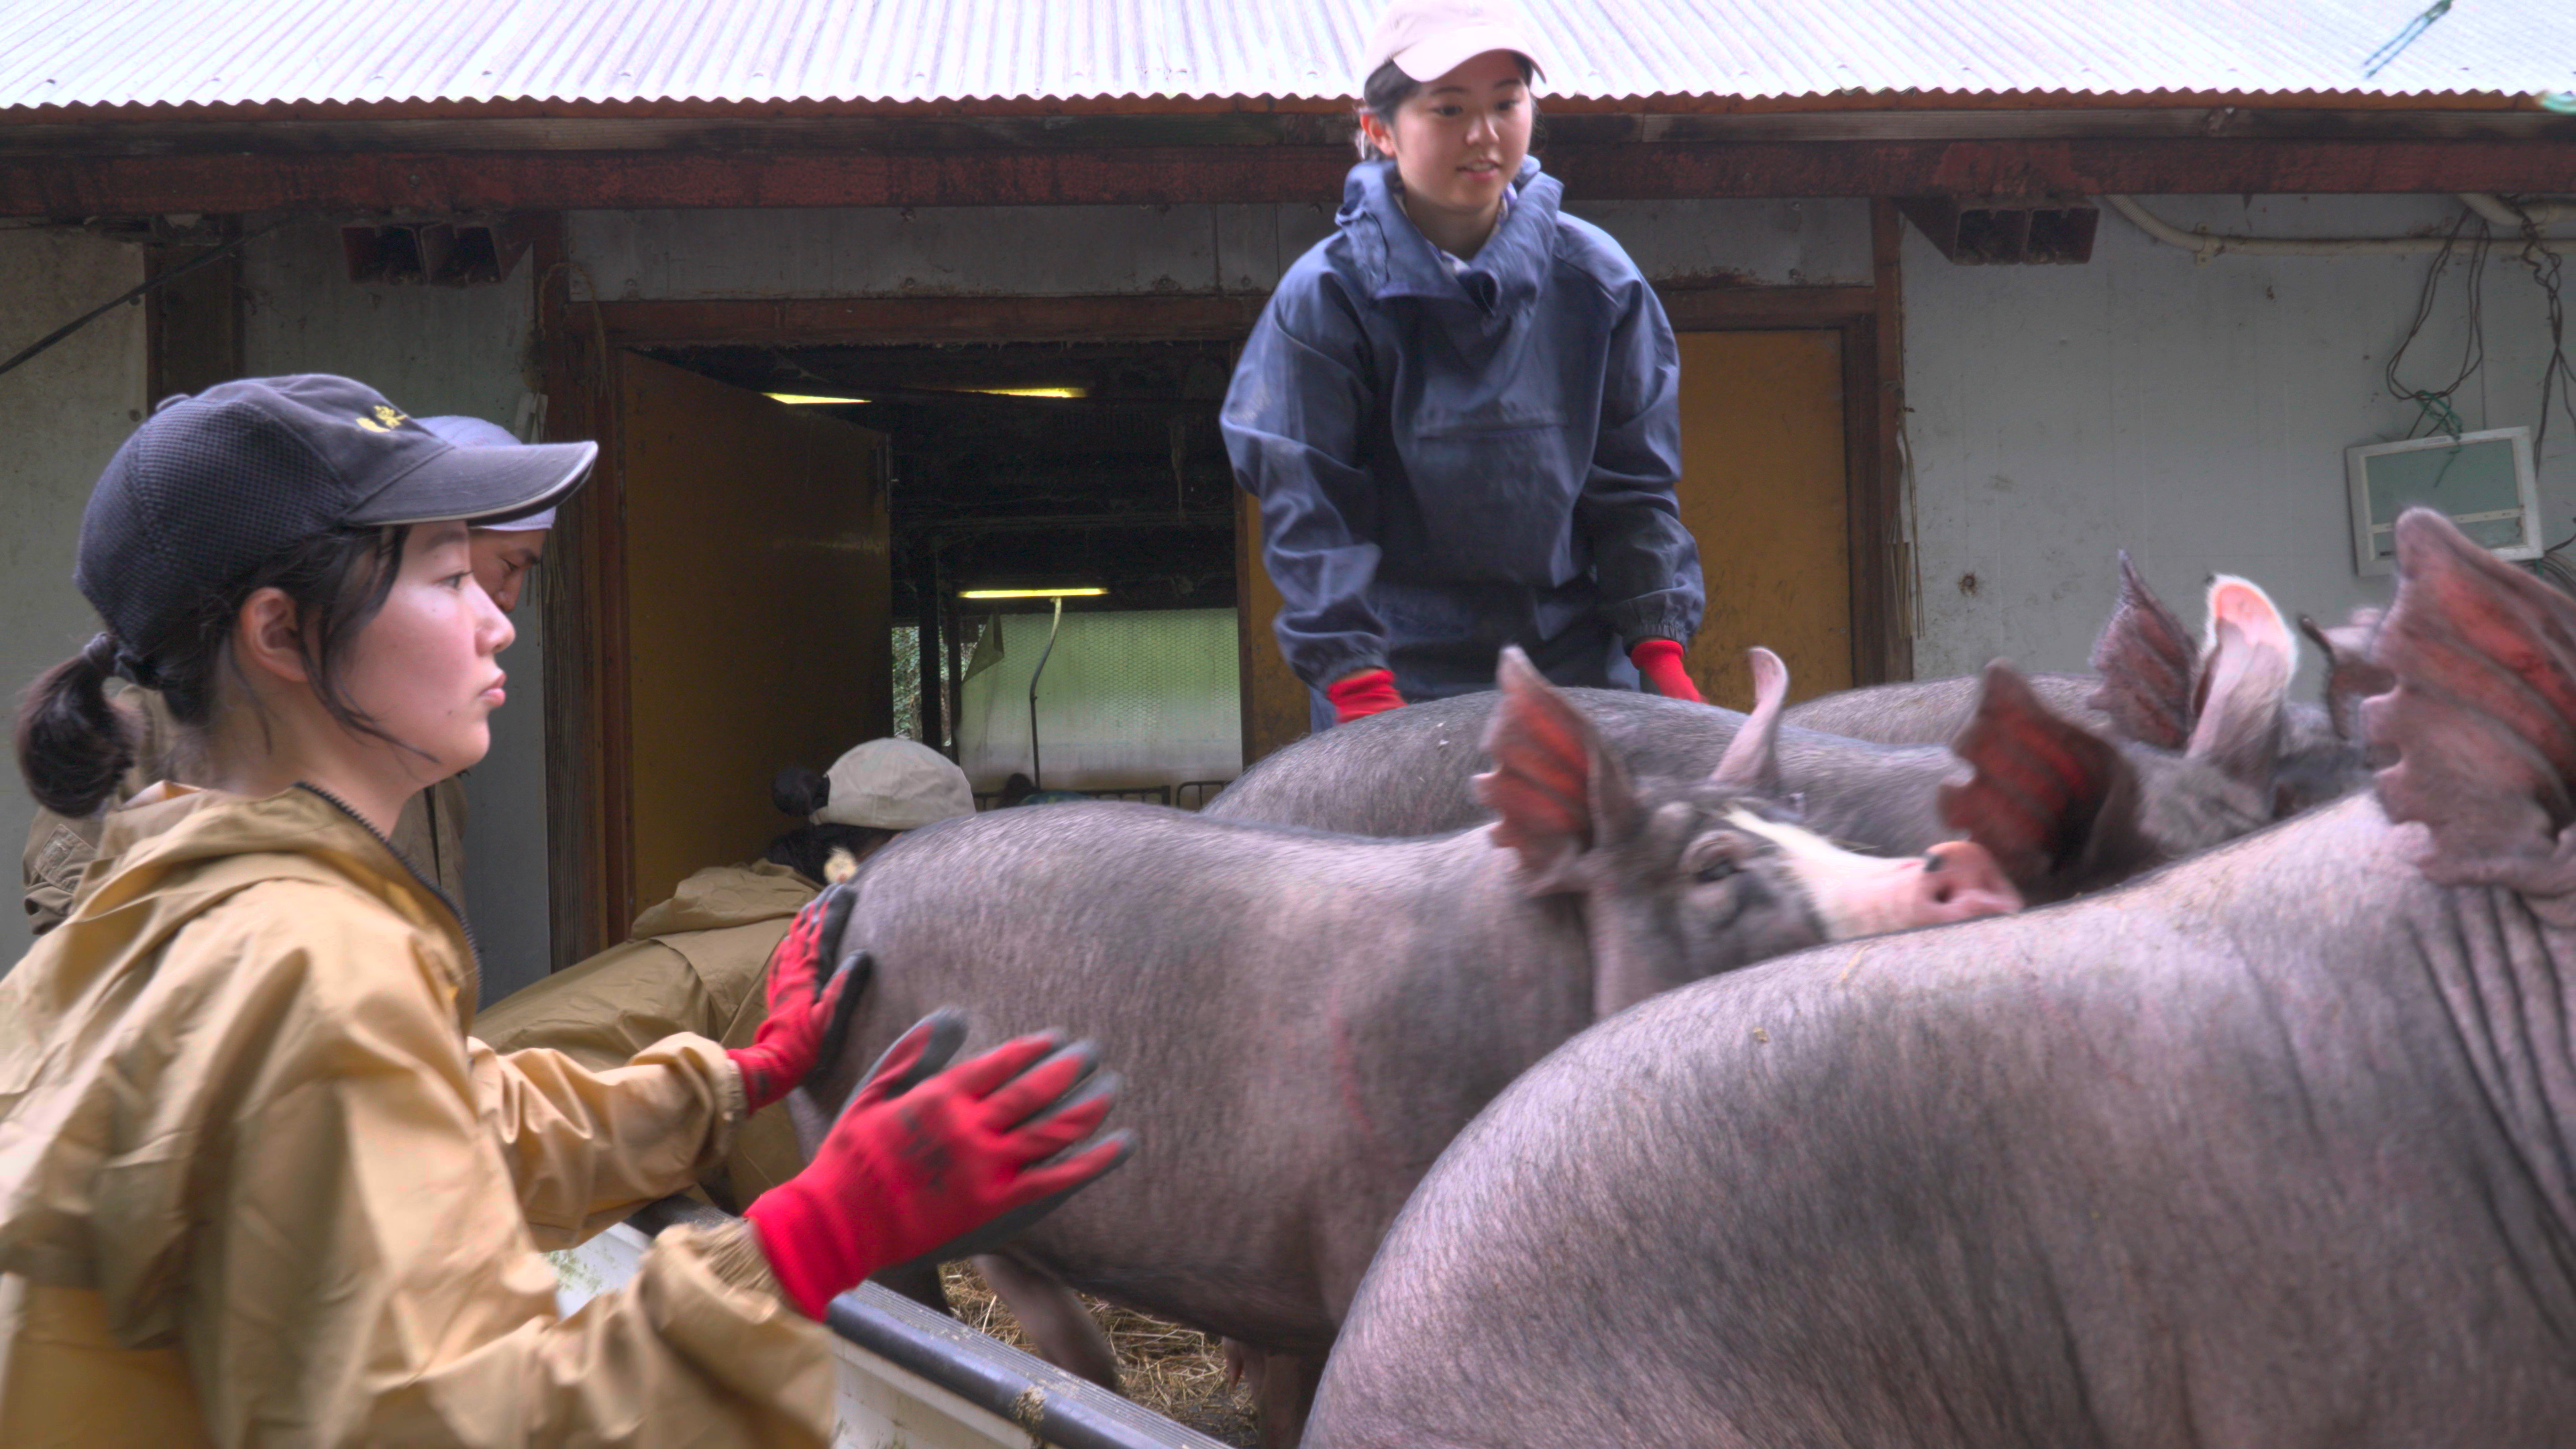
{"x":2053,"y":802}
{"x":1752,"y":760}
{"x":2351,"y":674}
{"x":2146,"y":661}
{"x":2244,"y":683}
{"x":1555,"y":787}
{"x":2483,"y":716}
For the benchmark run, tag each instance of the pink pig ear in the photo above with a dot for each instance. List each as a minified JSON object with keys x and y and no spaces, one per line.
{"x":2146,"y":661}
{"x":2244,"y":683}
{"x":2053,"y":802}
{"x":2483,"y":716}
{"x":1555,"y":787}
{"x":1752,"y":760}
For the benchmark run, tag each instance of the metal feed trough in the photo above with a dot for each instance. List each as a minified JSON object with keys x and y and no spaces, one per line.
{"x":908,"y":1375}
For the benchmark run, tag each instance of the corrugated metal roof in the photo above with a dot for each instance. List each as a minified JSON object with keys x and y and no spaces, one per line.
{"x":117,"y":53}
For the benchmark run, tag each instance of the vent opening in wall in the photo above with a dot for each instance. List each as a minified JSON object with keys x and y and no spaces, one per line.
{"x":2005,"y":231}
{"x":2481,"y":481}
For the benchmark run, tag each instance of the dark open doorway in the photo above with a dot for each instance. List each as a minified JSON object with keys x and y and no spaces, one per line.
{"x":1029,"y":468}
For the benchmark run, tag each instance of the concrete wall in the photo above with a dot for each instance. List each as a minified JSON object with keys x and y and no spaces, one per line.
{"x":64,"y":413}
{"x":1108,"y":250}
{"x":434,"y":350}
{"x":2196,"y":415}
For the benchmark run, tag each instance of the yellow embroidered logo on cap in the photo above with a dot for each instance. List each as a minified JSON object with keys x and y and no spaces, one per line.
{"x":387,"y":418}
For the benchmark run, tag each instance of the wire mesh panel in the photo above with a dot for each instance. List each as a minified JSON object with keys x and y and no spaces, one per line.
{"x":1127,"y":700}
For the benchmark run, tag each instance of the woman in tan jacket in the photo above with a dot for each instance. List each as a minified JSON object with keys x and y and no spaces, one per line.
{"x":256,"y":1183}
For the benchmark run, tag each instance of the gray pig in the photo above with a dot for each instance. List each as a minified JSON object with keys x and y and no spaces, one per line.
{"x":2146,"y":688}
{"x":2276,"y":1148}
{"x":2063,"y":810}
{"x":1304,"y":1020}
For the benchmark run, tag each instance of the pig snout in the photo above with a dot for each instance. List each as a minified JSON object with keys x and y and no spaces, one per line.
{"x":1953,"y":881}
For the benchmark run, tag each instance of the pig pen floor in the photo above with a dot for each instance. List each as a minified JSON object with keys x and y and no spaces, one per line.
{"x":1177,"y":1372}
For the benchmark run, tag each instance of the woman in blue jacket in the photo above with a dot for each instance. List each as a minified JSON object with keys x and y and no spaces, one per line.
{"x":1459,"y":410}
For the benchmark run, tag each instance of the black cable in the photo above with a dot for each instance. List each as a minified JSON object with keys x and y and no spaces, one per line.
{"x":2434,"y":404}
{"x":172,"y":275}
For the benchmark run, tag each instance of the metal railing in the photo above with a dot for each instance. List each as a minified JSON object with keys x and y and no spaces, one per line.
{"x":1194,"y":794}
{"x":903,"y":1364}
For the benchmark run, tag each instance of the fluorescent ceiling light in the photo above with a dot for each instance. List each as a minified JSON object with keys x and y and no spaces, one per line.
{"x":1086,"y":593}
{"x":799,"y":399}
{"x":1026,"y":391}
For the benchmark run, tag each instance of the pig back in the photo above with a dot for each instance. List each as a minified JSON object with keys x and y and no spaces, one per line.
{"x":1302,"y":1022}
{"x":2197,"y":1161}
{"x":1411,"y":771}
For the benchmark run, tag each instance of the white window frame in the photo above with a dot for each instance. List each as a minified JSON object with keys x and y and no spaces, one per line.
{"x":2365,"y":558}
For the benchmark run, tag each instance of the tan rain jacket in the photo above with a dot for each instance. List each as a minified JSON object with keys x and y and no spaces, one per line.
{"x":699,"y":963}
{"x":256,"y":1184}
{"x":430,"y":834}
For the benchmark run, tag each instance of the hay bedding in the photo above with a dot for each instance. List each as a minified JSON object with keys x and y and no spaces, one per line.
{"x":1177,"y":1372}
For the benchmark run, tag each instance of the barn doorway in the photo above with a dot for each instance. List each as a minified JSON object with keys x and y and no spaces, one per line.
{"x":1041,"y":443}
{"x":1059,"y":516}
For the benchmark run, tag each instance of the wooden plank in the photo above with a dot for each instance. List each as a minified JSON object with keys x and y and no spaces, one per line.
{"x":192,"y":326}
{"x":94,"y":185}
{"x":1275,"y":701}
{"x":582,"y":593}
{"x":1882,"y":537}
{"x":897,"y":321}
{"x":901,"y":321}
{"x":1720,"y":309}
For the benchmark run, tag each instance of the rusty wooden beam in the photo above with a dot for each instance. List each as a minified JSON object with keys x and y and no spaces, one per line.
{"x":82,"y":186}
{"x":899,"y":321}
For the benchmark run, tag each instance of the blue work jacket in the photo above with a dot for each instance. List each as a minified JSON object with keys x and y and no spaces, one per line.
{"x":1449,"y":462}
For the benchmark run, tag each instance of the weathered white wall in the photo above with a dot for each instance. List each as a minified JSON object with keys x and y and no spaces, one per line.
{"x":2193,"y":414}
{"x":434,"y":350}
{"x":1109,"y":250}
{"x":64,"y":414}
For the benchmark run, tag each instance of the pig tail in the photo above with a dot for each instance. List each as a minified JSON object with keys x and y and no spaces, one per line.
{"x":73,"y":745}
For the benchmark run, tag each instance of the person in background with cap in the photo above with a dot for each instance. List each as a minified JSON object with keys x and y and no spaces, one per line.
{"x":430,"y":832}
{"x":696,"y":962}
{"x":1459,"y":411}
{"x":256,"y":1182}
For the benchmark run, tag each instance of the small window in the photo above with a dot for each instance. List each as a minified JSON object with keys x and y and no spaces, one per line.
{"x":2482,"y":481}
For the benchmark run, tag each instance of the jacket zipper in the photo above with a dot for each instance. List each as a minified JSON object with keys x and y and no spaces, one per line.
{"x":473,"y":948}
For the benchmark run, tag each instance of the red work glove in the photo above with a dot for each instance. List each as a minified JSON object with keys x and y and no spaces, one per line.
{"x":1371,"y":691}
{"x":1660,"y":660}
{"x":800,"y":1006}
{"x":913,"y":1164}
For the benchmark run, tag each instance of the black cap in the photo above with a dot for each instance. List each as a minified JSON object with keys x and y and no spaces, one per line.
{"x":213,"y":486}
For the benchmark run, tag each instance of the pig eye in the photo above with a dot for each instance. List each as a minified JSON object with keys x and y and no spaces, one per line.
{"x":1711,"y":858}
{"x":1715,"y":871}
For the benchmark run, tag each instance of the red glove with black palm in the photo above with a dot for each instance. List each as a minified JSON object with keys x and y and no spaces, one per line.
{"x":802,"y":1006}
{"x":918,"y":1163}
{"x":1660,"y":660}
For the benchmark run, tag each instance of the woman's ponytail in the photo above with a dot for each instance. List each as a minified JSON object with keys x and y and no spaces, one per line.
{"x":73,"y":745}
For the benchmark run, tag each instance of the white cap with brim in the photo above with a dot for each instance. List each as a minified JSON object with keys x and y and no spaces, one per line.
{"x":469,"y":432}
{"x":1427,"y":39}
{"x":893,"y":784}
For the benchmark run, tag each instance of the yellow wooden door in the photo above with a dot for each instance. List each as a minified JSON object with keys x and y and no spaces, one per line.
{"x":759,"y":603}
{"x":1275,"y":703}
{"x":1763,"y":490}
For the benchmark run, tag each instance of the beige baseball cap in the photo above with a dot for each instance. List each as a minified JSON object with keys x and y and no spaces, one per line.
{"x":1427,"y":39}
{"x":894,"y":784}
